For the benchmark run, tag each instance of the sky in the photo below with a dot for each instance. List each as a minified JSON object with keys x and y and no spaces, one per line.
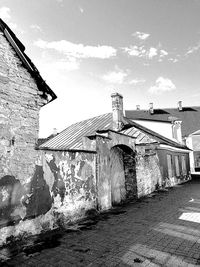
{"x":146,"y":50}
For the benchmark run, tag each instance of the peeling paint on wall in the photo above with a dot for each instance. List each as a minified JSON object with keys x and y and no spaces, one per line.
{"x":147,"y":172}
{"x":62,"y":189}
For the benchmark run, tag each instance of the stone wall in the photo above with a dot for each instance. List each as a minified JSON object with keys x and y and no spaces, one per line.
{"x":19,"y":116}
{"x":130,"y":174}
{"x":20,"y":102}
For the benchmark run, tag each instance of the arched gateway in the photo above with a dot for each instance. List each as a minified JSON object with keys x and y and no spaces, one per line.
{"x":122,"y":174}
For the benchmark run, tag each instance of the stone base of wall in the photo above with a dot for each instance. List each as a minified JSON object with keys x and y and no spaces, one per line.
{"x":169,"y":182}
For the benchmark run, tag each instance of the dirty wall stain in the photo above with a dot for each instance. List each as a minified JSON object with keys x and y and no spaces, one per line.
{"x":40,"y":200}
{"x":11,"y":193}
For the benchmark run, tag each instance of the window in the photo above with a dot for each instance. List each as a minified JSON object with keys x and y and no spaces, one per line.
{"x":177,"y":166}
{"x":183,"y":163}
{"x":169,"y":166}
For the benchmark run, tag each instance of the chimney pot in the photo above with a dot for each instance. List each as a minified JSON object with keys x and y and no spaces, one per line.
{"x":151,"y":108}
{"x":137,"y":107}
{"x":55,"y":131}
{"x":180,"y":105}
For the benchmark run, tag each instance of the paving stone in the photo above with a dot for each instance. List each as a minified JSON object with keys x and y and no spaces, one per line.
{"x":150,"y":232}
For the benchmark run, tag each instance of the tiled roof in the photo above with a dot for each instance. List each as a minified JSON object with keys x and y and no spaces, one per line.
{"x":140,"y":136}
{"x":72,"y":136}
{"x":19,"y":48}
{"x":190,"y":117}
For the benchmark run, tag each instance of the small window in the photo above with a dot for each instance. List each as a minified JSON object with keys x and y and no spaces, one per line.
{"x":183,"y":163}
{"x":177,"y":166}
{"x":169,"y":165}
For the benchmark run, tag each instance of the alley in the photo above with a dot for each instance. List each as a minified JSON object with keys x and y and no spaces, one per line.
{"x":162,"y":229}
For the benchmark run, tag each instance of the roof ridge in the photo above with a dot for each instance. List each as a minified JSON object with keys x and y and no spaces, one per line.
{"x":82,"y":121}
{"x":161,"y":108}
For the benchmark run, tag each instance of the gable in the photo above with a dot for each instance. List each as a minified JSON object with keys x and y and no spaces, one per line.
{"x":19,"y":49}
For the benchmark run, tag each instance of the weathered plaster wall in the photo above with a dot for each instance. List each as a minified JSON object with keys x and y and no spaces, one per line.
{"x":148,"y":172}
{"x":117,"y":175}
{"x":62,"y":188}
{"x":71,"y":178}
{"x":105,"y":172}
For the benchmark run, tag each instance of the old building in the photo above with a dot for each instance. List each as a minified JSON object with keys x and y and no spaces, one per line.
{"x":93,"y":164}
{"x":181,"y":124}
{"x":130,"y":160}
{"x":22,"y":93}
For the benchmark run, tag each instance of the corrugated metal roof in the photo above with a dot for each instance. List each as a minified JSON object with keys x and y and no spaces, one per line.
{"x":190,"y":117}
{"x":71,"y":137}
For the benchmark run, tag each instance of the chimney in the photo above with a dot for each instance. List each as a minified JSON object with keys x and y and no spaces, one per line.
{"x":151,"y":108}
{"x":55,"y":132}
{"x":180,"y":108}
{"x":137,"y":107}
{"x":117,"y":111}
{"x":176,"y":130}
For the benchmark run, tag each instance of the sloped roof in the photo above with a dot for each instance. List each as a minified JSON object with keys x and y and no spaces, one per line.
{"x":190,"y":117}
{"x":154,"y":135}
{"x":19,"y":48}
{"x":71,"y":137}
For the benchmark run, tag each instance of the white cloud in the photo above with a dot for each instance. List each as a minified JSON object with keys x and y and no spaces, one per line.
{"x":192,"y":49}
{"x":78,"y":50}
{"x":137,"y":81}
{"x":36,"y":28}
{"x":152,"y":52}
{"x":141,"y":35}
{"x":81,"y":9}
{"x":5,"y":13}
{"x":115,"y":77}
{"x":142,"y":52}
{"x":162,"y":85}
{"x":136,"y":51}
{"x":163,"y":53}
{"x":174,"y":60}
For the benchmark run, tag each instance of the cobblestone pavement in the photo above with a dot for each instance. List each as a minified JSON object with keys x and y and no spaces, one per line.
{"x":159,"y":230}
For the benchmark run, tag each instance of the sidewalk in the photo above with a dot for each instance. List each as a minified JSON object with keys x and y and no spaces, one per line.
{"x":160,"y":230}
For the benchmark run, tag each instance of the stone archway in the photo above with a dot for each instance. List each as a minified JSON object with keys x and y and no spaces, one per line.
{"x":123,"y":174}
